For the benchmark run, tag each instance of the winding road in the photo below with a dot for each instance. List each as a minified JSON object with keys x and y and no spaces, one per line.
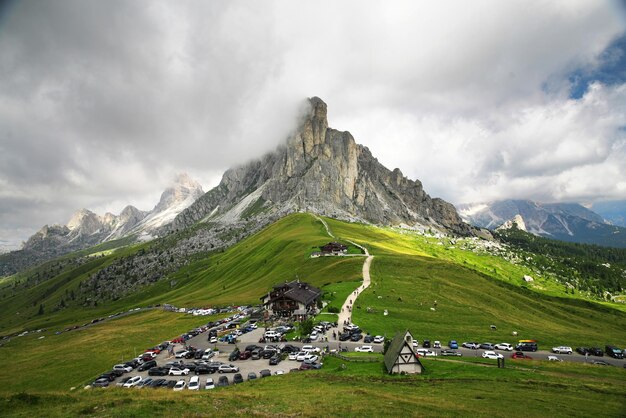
{"x":345,"y":315}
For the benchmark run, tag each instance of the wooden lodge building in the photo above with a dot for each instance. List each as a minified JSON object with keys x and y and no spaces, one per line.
{"x":296,"y":300}
{"x":400,"y":356}
{"x":332,"y":248}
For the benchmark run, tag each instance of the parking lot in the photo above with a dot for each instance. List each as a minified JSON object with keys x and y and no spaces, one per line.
{"x":253,"y":368}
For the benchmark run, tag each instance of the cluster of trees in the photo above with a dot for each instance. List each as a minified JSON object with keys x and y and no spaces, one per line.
{"x":586,"y":267}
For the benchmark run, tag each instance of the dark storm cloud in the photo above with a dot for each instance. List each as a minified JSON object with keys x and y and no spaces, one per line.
{"x":102,"y":102}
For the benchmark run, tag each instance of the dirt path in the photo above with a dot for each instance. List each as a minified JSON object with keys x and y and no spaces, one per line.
{"x":345,"y":315}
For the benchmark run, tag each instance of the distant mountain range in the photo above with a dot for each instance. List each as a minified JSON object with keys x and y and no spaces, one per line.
{"x":563,"y":221}
{"x":613,"y":212}
{"x":86,"y":228}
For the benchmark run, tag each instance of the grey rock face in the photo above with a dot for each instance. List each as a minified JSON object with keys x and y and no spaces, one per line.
{"x":325,"y":171}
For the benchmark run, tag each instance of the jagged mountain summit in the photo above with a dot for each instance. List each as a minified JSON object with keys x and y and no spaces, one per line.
{"x":322,"y":170}
{"x":563,"y":221}
{"x":86,"y":228}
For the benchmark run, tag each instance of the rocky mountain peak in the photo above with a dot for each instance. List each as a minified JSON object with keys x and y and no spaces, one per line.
{"x":183,"y":189}
{"x":517,"y":221}
{"x":325,"y":171}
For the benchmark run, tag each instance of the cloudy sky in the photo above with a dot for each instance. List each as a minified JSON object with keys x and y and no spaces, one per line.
{"x":102,"y":103}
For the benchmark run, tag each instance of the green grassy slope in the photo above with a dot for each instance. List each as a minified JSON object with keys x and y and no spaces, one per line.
{"x":408,"y":273}
{"x":238,"y":275}
{"x":73,"y":359}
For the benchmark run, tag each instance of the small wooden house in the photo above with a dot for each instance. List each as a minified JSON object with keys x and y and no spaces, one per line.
{"x":333,"y":248}
{"x":400,"y":356}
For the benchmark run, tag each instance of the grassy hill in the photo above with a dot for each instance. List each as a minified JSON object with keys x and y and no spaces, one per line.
{"x":473,"y":289}
{"x":239,"y":275}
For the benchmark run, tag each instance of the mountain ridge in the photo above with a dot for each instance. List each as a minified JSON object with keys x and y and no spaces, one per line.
{"x":323,"y":170}
{"x":570,"y":222}
{"x":86,"y":228}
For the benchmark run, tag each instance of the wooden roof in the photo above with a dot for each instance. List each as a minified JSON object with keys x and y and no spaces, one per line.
{"x":395,"y":348}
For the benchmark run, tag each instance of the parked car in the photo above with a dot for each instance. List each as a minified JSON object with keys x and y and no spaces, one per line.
{"x":356,"y":337}
{"x":206,"y":369}
{"x":275,"y":360}
{"x":582,"y":350}
{"x":180,"y":385}
{"x":596,"y":351}
{"x":209,"y":383}
{"x":310,"y":358}
{"x":265,"y":373}
{"x":109,"y":376}
{"x":379,"y":339}
{"x":156,"y":383}
{"x":492,"y":355}
{"x":554,"y":358}
{"x":237,"y":378}
{"x":344,"y":336}
{"x":251,"y":376}
{"x":244,"y":355}
{"x":181,"y":353}
{"x":613,"y":351}
{"x":101,"y":382}
{"x":437,"y":344}
{"x":487,"y":346}
{"x":132,"y":381}
{"x":310,"y":348}
{"x":364,"y":349}
{"x":562,"y":349}
{"x":451,"y":353}
{"x":520,"y":355}
{"x":123,"y":381}
{"x":147,"y":365}
{"x":228,"y":368}
{"x":368,"y":339}
{"x":222,"y":381}
{"x":268,"y":353}
{"x":145,"y":382}
{"x":123,"y":368}
{"x":170,"y":384}
{"x":473,"y":346}
{"x":600,"y":363}
{"x":175,"y":371}
{"x":424,"y":352}
{"x":194,"y":383}
{"x":426,"y":344}
{"x":453,"y":344}
{"x":207,"y":354}
{"x":157,"y":371}
{"x":503,"y":346}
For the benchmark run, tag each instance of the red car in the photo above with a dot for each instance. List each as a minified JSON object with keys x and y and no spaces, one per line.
{"x":155,"y":350}
{"x":178,"y":340}
{"x":244,"y":355}
{"x":519,"y":354}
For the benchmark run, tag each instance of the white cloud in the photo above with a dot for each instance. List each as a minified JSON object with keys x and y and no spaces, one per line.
{"x":101,"y":103}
